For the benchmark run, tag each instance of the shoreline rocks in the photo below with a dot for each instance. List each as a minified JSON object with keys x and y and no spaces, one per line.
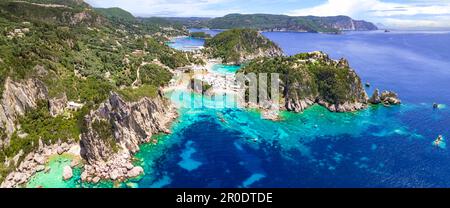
{"x":127,"y":125}
{"x":118,"y":168}
{"x":67,"y":173}
{"x":33,"y":163}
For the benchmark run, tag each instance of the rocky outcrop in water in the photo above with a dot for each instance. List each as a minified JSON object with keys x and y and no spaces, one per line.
{"x":17,"y":98}
{"x":115,"y":130}
{"x":313,"y":78}
{"x":386,"y":98}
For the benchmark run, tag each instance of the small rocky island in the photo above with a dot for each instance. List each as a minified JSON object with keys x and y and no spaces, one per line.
{"x":237,"y":46}
{"x":314,"y":78}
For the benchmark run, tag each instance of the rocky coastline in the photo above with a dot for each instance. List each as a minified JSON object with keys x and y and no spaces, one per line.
{"x":132,"y":124}
{"x":36,"y":161}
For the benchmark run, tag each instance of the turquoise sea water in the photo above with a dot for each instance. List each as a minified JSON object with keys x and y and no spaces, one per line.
{"x":376,"y":147}
{"x":225,"y":69}
{"x":185,"y":43}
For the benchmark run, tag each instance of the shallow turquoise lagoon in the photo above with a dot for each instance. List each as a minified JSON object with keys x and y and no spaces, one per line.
{"x":225,"y":69}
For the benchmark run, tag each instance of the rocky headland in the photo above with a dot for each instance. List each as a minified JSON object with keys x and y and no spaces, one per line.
{"x":314,"y":78}
{"x":238,"y":46}
{"x":114,"y":131}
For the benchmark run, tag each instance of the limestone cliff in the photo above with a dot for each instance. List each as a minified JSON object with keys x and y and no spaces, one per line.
{"x":17,"y":98}
{"x":113,"y":133}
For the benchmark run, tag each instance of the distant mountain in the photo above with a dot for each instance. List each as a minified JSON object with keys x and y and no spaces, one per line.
{"x":268,"y":22}
{"x":190,"y":22}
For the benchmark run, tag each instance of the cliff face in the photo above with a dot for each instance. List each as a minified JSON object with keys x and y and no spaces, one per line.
{"x":17,"y":98}
{"x":114,"y":132}
{"x":123,"y":126}
{"x":314,"y":78}
{"x":59,"y":12}
{"x":241,"y":45}
{"x":344,"y":23}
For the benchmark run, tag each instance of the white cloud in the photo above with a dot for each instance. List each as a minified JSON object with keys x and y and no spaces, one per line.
{"x":406,"y":14}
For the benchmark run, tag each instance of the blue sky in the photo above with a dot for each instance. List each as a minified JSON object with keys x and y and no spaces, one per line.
{"x":392,"y":13}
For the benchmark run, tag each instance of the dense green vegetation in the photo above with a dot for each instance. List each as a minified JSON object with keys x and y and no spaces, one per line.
{"x":77,"y":59}
{"x":200,"y":35}
{"x":83,"y":53}
{"x":37,"y":125}
{"x":321,"y":78}
{"x":116,"y":13}
{"x":152,"y":74}
{"x":133,"y":95}
{"x":230,"y":45}
{"x":104,"y":131}
{"x":270,"y":22}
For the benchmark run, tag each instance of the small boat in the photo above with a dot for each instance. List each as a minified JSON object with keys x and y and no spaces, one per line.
{"x":438,"y":141}
{"x":386,"y":31}
{"x":367,"y":84}
{"x":435,"y":106}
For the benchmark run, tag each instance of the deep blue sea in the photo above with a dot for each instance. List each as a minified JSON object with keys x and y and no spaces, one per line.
{"x":377,"y":147}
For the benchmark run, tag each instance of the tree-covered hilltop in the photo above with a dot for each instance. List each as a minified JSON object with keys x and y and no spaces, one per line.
{"x":67,"y":49}
{"x":151,"y":25}
{"x":201,"y":35}
{"x":116,"y":13}
{"x":310,"y":78}
{"x":269,"y":22}
{"x":240,"y":45}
